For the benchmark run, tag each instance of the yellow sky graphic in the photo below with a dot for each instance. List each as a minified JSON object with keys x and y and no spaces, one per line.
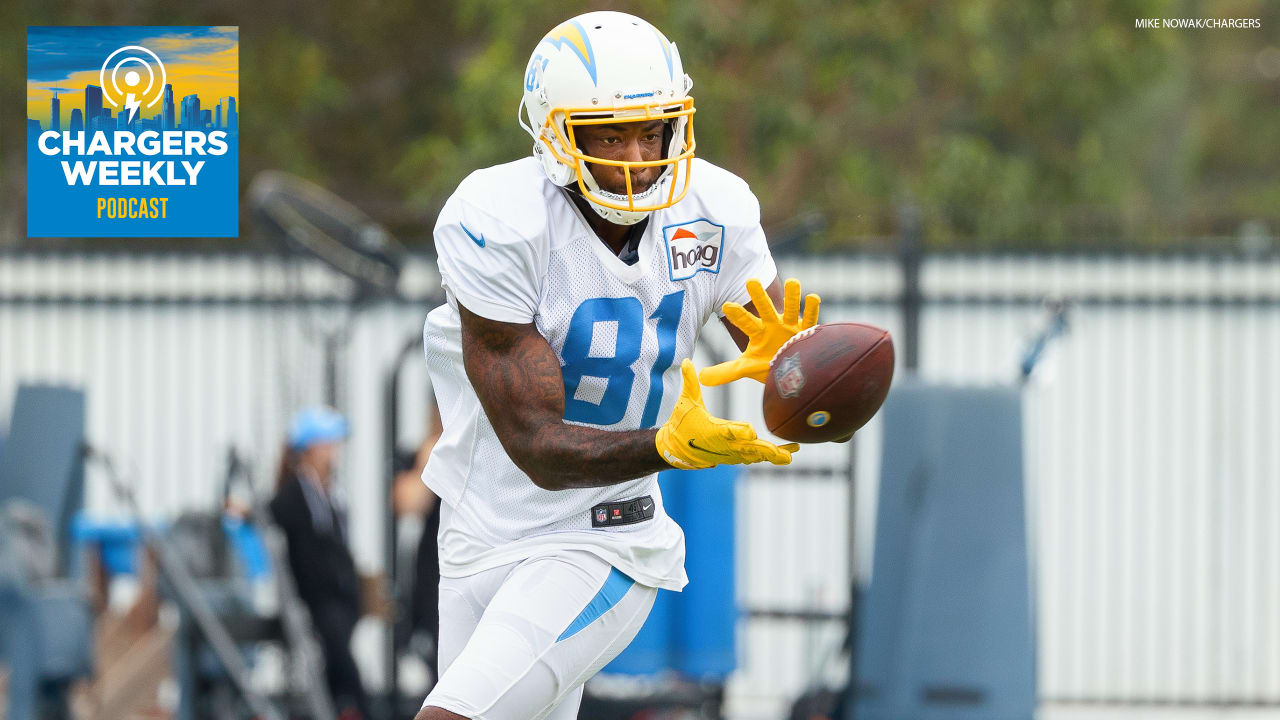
{"x":212,"y":76}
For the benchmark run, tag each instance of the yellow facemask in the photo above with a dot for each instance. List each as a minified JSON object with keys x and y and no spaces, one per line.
{"x":564,"y":147}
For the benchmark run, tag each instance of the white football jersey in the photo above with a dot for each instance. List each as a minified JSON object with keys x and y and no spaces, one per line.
{"x":512,"y":247}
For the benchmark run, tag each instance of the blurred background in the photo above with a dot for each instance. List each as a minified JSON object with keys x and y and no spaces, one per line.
{"x":1066,"y":509}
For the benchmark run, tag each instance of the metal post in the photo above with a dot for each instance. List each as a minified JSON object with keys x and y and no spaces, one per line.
{"x":391,"y":431}
{"x":851,"y":699}
{"x":332,"y":345}
{"x":390,"y":527}
{"x":910,"y":253}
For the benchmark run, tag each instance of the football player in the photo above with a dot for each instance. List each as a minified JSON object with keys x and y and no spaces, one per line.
{"x":577,"y":281}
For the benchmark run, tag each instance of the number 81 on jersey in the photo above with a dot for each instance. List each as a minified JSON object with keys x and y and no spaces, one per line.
{"x":615,"y":369}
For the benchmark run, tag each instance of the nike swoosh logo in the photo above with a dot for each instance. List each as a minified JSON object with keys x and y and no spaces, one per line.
{"x":477,"y":240}
{"x":713,"y":452}
{"x":646,"y":507}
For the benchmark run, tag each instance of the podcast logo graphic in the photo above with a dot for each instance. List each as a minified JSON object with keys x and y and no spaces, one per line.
{"x":133,"y":131}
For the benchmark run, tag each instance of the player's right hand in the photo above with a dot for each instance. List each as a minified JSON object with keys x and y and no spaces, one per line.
{"x":693,"y":438}
{"x":766,"y":334}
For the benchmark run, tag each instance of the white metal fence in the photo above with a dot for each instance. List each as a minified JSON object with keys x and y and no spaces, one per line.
{"x":1153,"y":437}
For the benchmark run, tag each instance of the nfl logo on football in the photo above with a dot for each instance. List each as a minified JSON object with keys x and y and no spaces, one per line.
{"x":789,"y":376}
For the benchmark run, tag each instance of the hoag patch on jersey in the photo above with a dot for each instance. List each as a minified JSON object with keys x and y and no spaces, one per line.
{"x":693,"y":247}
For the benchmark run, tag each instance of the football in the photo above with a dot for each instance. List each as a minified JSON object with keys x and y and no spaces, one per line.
{"x":827,"y":381}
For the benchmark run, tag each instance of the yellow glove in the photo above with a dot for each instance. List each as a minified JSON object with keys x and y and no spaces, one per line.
{"x":694,"y":438}
{"x":765,"y":334}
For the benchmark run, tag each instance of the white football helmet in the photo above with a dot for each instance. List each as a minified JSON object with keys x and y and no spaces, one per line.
{"x":607,"y":68}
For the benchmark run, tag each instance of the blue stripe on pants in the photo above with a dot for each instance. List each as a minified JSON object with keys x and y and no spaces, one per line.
{"x":615,"y":586}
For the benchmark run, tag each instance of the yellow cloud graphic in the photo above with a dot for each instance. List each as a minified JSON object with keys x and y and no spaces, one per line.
{"x":187,"y":45}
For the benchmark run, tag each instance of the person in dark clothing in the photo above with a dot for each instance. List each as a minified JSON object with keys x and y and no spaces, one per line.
{"x":312,"y":515}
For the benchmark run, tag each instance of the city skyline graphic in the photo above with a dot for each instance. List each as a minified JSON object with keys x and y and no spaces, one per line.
{"x":200,"y":92}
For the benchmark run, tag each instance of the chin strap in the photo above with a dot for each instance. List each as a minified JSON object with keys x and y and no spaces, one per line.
{"x":617,"y":217}
{"x":620,"y":217}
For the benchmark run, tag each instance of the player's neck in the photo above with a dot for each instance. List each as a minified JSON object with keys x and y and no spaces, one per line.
{"x":614,"y":236}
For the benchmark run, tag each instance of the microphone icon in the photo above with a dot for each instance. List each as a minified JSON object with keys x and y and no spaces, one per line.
{"x":133,"y":95}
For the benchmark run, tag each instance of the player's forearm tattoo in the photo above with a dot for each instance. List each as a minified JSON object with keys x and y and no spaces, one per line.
{"x":517,"y":377}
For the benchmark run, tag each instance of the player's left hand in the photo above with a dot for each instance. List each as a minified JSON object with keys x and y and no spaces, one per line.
{"x":766,"y":333}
